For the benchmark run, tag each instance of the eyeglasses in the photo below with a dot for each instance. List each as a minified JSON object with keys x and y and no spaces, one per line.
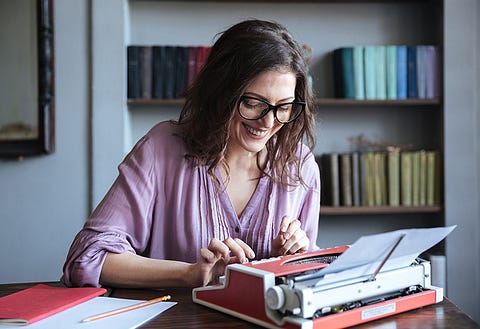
{"x":251,"y":108}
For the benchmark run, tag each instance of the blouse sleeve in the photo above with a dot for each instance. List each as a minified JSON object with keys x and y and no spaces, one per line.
{"x":311,"y":207}
{"x":121,"y":222}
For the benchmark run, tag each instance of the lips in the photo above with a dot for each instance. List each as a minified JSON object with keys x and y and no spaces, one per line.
{"x":258,"y":133}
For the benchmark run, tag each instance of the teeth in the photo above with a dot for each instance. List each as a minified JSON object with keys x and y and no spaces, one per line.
{"x":255,"y":132}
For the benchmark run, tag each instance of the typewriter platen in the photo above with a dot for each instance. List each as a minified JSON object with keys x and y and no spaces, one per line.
{"x":285,"y":292}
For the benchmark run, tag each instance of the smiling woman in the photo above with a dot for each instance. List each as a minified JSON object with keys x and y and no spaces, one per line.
{"x":27,"y":79}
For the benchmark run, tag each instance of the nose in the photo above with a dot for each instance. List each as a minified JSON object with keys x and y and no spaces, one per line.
{"x":268,"y":120}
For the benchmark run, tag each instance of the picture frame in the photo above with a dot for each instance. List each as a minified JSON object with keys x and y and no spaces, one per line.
{"x":27,"y":121}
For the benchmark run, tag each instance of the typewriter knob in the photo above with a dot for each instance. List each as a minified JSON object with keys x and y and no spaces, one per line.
{"x":275,"y":298}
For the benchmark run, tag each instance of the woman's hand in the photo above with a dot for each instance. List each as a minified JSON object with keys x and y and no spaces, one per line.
{"x":291,"y":239}
{"x":215,"y":258}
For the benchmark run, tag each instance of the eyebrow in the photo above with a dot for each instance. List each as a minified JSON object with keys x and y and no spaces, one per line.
{"x":287,"y":99}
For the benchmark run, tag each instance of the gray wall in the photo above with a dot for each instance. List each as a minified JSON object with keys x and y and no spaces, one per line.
{"x":45,"y":200}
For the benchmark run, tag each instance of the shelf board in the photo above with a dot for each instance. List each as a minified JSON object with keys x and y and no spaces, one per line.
{"x":318,"y":102}
{"x":327,"y":210}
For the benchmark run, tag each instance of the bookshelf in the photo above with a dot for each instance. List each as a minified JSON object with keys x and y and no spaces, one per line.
{"x":410,"y":121}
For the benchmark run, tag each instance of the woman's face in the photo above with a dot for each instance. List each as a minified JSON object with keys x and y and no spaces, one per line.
{"x":274,"y":87}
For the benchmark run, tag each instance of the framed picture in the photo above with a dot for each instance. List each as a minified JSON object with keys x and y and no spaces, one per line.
{"x":27,"y":111}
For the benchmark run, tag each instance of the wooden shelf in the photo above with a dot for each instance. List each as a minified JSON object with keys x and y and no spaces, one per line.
{"x":327,"y":210}
{"x":319,"y":102}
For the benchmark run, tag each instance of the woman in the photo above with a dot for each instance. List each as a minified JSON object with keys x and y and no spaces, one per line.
{"x":230,"y":181}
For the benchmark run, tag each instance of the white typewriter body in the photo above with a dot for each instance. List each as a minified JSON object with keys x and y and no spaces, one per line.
{"x":285,"y":292}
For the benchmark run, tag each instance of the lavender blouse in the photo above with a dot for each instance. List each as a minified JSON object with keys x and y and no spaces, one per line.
{"x":160,"y":206}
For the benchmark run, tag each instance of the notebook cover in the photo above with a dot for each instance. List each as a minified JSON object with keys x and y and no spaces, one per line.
{"x":40,"y":301}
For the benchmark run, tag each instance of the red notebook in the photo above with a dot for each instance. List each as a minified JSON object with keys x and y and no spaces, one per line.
{"x":40,"y":301}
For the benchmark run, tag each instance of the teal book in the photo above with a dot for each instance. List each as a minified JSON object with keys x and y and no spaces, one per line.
{"x":401,"y":72}
{"x":391,"y":71}
{"x":381,"y":73}
{"x":369,"y":59}
{"x":343,"y":72}
{"x":358,"y":73}
{"x":421,"y":71}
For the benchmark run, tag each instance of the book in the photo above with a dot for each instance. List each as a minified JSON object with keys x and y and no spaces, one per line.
{"x":379,"y":179}
{"x":343,"y":72}
{"x":346,"y":180}
{"x":411,"y":72}
{"x":393,"y":182}
{"x":356,"y":179}
{"x":159,"y":64}
{"x":170,"y":72}
{"x":401,"y":72}
{"x":391,"y":71}
{"x":423,"y":178}
{"x":358,"y":73}
{"x":415,"y":178}
{"x":433,"y":178}
{"x":421,"y":59}
{"x":370,"y":178}
{"x":380,"y":73}
{"x":432,"y":76}
{"x":181,"y":70}
{"x":146,"y":72}
{"x":331,"y":186}
{"x":406,"y":178}
{"x":369,"y":60}
{"x":192,"y":65}
{"x":363,"y":178}
{"x":133,"y":72}
{"x":41,"y":301}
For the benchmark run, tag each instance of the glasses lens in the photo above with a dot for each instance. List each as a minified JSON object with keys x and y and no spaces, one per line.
{"x":251,"y":108}
{"x":289,"y":112}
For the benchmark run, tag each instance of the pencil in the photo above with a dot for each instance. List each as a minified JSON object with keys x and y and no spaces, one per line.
{"x":126,"y":309}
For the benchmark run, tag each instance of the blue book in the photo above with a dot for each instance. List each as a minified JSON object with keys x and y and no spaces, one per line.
{"x":412,"y":72}
{"x":401,"y":72}
{"x":369,"y":59}
{"x":421,"y":72}
{"x":381,"y":73}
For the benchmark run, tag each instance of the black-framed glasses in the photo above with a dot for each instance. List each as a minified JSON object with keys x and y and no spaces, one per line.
{"x":251,"y":108}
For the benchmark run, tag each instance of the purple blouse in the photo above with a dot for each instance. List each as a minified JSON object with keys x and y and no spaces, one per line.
{"x":160,"y":206}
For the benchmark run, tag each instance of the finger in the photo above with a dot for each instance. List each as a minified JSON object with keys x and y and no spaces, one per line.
{"x":246,"y":248}
{"x":284,"y":224}
{"x":208,"y":255}
{"x":236,"y":249}
{"x":219,"y":248}
{"x":299,"y":241}
{"x":293,"y":227}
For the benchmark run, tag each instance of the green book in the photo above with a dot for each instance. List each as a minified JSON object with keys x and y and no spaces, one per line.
{"x":391,"y":71}
{"x":393,"y":160}
{"x":370,"y":178}
{"x":423,"y":178}
{"x":406,"y":178}
{"x":415,"y":179}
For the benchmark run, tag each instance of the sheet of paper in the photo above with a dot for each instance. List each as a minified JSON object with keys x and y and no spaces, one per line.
{"x":72,"y":318}
{"x":367,"y":253}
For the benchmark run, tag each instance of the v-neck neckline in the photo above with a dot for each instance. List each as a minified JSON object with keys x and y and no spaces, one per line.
{"x":251,"y":206}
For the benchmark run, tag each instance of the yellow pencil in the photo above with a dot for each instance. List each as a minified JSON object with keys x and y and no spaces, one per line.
{"x":126,"y":309}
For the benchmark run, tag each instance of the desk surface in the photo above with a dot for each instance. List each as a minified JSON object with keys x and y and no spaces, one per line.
{"x":187,"y":314}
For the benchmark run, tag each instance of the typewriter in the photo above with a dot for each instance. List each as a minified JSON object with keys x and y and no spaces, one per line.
{"x":298,"y":291}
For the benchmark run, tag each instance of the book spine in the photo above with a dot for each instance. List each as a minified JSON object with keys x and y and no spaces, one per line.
{"x":369,"y":59}
{"x":381,"y":73}
{"x":146,"y":72}
{"x":158,"y":53}
{"x":133,"y":72}
{"x":181,"y":73}
{"x":401,"y":72}
{"x":358,"y":73}
{"x":356,"y":179}
{"x":415,"y":178}
{"x":334,"y":179}
{"x":170,"y":72}
{"x":363,"y":178}
{"x":391,"y":71}
{"x":423,"y":178}
{"x":406,"y":178}
{"x":346,"y":179}
{"x":421,"y":72}
{"x":411,"y":72}
{"x":393,"y":159}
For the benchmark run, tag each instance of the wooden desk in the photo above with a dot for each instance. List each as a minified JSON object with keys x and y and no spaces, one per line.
{"x":187,"y":314}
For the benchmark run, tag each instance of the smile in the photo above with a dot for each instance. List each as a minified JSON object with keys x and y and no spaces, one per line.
{"x":255,"y":132}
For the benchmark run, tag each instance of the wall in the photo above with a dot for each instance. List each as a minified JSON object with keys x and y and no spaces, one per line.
{"x":44,"y":200}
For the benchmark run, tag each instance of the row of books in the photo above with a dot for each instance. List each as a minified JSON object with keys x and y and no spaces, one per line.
{"x":394,"y":178}
{"x":387,"y":72}
{"x":162,"y":72}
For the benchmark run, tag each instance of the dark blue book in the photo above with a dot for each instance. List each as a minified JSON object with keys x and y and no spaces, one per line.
{"x":170,"y":72}
{"x":133,"y":72}
{"x":181,"y":69}
{"x":412,"y":72}
{"x":146,"y":72}
{"x":401,"y":72}
{"x":343,"y":72}
{"x":159,"y":68}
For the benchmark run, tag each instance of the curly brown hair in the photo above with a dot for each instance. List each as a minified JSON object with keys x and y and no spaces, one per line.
{"x":239,"y":55}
